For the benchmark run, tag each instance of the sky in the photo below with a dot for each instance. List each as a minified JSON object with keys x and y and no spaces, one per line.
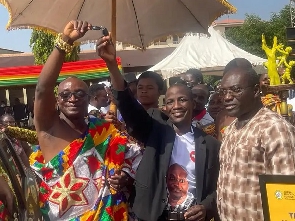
{"x":19,"y":40}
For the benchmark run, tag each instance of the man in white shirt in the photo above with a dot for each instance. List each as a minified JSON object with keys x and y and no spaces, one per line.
{"x":201,"y":98}
{"x":98,"y":99}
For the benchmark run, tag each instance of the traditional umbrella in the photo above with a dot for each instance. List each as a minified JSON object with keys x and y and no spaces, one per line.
{"x":133,"y":22}
{"x":137,"y":22}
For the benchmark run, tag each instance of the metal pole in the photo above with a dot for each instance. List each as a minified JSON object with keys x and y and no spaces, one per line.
{"x":7,"y":97}
{"x":25,"y":95}
{"x":113,"y":107}
{"x":114,"y":21}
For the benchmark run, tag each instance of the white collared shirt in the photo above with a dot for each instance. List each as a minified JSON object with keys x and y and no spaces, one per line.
{"x":91,"y":108}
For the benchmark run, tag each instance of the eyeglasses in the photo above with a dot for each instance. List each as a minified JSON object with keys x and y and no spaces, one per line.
{"x":234,"y":91}
{"x":66,"y":95}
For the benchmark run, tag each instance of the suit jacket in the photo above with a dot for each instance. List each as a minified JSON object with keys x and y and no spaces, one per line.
{"x":154,"y":130}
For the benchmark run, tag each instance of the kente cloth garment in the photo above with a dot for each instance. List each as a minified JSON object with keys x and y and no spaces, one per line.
{"x":131,"y":163}
{"x":74,"y":183}
{"x":4,"y":214}
{"x":273,"y":102}
{"x":265,"y":145}
{"x":210,"y":130}
{"x":223,"y":131}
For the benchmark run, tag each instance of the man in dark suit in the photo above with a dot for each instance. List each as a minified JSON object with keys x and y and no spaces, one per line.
{"x":177,"y":157}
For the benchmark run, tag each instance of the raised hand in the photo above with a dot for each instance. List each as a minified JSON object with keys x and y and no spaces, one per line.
{"x":110,"y":117}
{"x":196,"y":213}
{"x":119,"y":180}
{"x":75,"y":30}
{"x":106,"y":50}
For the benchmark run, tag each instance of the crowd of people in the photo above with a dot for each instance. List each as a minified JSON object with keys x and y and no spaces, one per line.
{"x":22,"y":113}
{"x":198,"y":157}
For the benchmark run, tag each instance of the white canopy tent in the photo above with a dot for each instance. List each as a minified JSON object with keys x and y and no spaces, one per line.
{"x":208,"y":53}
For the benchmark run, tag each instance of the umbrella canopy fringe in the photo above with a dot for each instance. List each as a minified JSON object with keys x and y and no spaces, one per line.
{"x":39,"y":28}
{"x":35,"y":27}
{"x":230,"y":9}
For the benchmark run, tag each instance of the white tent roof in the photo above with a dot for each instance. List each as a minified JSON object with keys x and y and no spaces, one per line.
{"x":210,"y":54}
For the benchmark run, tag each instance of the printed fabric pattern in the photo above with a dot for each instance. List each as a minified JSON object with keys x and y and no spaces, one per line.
{"x":73,"y":183}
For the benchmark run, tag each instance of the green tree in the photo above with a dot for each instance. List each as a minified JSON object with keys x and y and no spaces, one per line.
{"x":248,"y":36}
{"x":42,"y":44}
{"x":211,"y":79}
{"x":279,"y":22}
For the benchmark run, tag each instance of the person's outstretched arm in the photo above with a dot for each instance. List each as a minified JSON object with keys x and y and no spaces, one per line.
{"x":45,"y":101}
{"x":138,"y":122}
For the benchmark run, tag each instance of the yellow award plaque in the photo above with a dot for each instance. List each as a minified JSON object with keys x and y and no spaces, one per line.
{"x":278,"y":197}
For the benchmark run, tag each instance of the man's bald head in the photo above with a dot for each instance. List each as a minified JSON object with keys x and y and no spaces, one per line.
{"x":237,"y":62}
{"x":72,"y":81}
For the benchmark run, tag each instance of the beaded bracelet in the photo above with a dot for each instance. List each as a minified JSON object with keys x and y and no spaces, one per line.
{"x":62,"y":45}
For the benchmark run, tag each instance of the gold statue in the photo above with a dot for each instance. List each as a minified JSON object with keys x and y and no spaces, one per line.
{"x":284,"y":56}
{"x":271,"y":60}
{"x":287,"y":73}
{"x":265,"y":64}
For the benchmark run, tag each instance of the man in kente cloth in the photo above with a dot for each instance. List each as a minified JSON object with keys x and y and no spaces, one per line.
{"x":77,"y":156}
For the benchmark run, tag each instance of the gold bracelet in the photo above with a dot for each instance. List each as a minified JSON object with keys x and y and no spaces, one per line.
{"x":62,"y":45}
